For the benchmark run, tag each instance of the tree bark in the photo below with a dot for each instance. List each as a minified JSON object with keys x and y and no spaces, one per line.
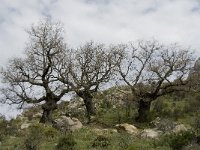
{"x":89,"y":107}
{"x":87,"y":98}
{"x":143,"y":111}
{"x":48,"y":109}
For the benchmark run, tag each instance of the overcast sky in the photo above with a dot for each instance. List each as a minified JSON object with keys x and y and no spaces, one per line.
{"x":107,"y":21}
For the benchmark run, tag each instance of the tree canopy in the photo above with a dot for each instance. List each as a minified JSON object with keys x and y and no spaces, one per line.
{"x":34,"y":78}
{"x":152,"y":70}
{"x":88,"y":67}
{"x":50,"y":69}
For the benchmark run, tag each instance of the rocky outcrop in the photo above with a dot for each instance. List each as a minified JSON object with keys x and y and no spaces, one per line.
{"x":164,"y":125}
{"x":151,"y":133}
{"x":37,"y":115}
{"x":67,"y":124}
{"x":75,"y":108}
{"x":168,"y":126}
{"x":180,"y":128}
{"x":131,"y":129}
{"x":25,"y":125}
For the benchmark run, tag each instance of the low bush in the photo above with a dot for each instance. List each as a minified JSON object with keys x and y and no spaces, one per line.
{"x":196,"y":124}
{"x":101,"y":141}
{"x":124,"y":140}
{"x":34,"y":138}
{"x":7,"y":128}
{"x":178,"y":140}
{"x":3,"y":129}
{"x":66,"y":142}
{"x":162,"y":108}
{"x":50,"y":132}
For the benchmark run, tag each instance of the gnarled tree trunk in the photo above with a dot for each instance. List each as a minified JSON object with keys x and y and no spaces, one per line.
{"x":48,"y":109}
{"x":87,"y":98}
{"x":143,"y":111}
{"x":89,"y":107}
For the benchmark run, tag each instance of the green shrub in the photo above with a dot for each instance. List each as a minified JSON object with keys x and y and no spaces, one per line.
{"x":143,"y":144}
{"x":162,"y":108}
{"x":66,"y":142}
{"x":159,"y":106}
{"x":106,"y":104}
{"x":192,"y":106}
{"x":2,"y":132}
{"x":7,"y":128}
{"x":196,"y":124}
{"x":178,"y":140}
{"x":101,"y":141}
{"x":124,"y":140}
{"x":34,"y":138}
{"x":193,"y":146}
{"x":47,"y":131}
{"x":177,"y":113}
{"x":3,"y":128}
{"x":50,"y":132}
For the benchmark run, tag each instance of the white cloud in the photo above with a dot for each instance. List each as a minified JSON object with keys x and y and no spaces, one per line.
{"x":107,"y":21}
{"x":121,"y":21}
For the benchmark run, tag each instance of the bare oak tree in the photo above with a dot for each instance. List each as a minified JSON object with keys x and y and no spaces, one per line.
{"x":152,"y":70}
{"x":34,"y":78}
{"x":88,"y":67}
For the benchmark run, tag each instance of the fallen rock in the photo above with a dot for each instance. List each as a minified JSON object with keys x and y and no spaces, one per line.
{"x":66,"y":123}
{"x":179,"y":128}
{"x":77,"y":124}
{"x":131,"y":129}
{"x":37,"y":115}
{"x":150,"y":133}
{"x":25,"y":125}
{"x":113,"y":130}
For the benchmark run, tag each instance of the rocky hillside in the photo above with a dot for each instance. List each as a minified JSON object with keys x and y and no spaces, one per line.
{"x":174,"y":125}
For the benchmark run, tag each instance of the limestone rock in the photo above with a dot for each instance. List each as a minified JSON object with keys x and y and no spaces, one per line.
{"x":37,"y":115}
{"x":179,"y":128}
{"x":25,"y":125}
{"x":150,"y":133}
{"x":66,"y":123}
{"x":77,"y":124}
{"x":131,"y":129}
